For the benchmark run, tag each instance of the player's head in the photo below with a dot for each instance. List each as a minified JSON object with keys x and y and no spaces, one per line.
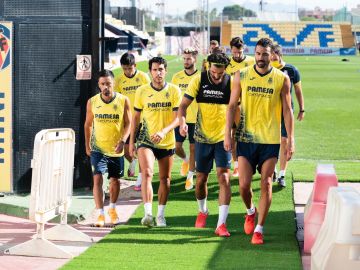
{"x":276,"y":56}
{"x":263,"y":51}
{"x":106,"y":82}
{"x":237,"y":48}
{"x":189,"y":57}
{"x":217,"y":66}
{"x":157,"y":68}
{"x":213,"y":44}
{"x":127,"y":62}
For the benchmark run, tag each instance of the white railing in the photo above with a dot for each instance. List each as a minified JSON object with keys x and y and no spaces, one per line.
{"x":51,"y":192}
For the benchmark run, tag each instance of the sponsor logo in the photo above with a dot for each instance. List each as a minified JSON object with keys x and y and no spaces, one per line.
{"x":109,"y":116}
{"x":252,"y":78}
{"x":131,"y":88}
{"x":183,"y":85}
{"x":154,"y":105}
{"x":264,"y":90}
{"x":150,"y":96}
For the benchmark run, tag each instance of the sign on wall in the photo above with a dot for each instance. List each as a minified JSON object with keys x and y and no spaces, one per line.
{"x":83,"y":67}
{"x":6,"y":53}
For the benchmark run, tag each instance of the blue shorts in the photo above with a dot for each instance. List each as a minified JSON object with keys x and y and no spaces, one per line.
{"x":159,"y":153}
{"x":101,"y":164}
{"x":206,"y":153}
{"x":257,"y":153}
{"x":191,"y":130}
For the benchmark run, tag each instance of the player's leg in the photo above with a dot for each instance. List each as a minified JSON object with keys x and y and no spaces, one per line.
{"x":115,"y":171}
{"x":165,"y":161}
{"x":99,"y":167}
{"x":180,"y":152}
{"x":283,"y":162}
{"x":246,"y":153}
{"x":223,"y":164}
{"x":268,"y":155}
{"x":204,"y":156}
{"x":146,"y":159}
{"x":189,"y":183}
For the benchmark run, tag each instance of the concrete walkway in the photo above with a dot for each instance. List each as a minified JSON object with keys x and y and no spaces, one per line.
{"x":16,"y":230}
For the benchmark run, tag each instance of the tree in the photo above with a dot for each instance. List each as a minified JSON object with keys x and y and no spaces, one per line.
{"x":235,"y":12}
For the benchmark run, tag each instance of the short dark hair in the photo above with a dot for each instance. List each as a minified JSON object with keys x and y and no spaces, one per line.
{"x":265,"y":42}
{"x":105,"y":73}
{"x":237,"y":42}
{"x":219,"y":59}
{"x":159,"y":60}
{"x":277,"y":49}
{"x":127,"y":59}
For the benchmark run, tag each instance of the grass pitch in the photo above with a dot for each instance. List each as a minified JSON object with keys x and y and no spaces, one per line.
{"x":328,"y":134}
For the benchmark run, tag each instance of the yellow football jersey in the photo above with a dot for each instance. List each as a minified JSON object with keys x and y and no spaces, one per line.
{"x":212,"y":102}
{"x":157,"y":107}
{"x":182,"y":79}
{"x":108,"y":124}
{"x":235,"y":66}
{"x":127,"y":86}
{"x":261,"y":107}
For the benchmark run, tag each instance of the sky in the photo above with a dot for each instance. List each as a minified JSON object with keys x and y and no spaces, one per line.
{"x":182,"y":6}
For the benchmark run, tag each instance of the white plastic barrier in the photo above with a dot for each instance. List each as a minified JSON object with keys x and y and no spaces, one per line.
{"x":51,"y":192}
{"x":338,"y":243}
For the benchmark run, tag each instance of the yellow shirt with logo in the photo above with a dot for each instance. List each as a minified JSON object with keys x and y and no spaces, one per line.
{"x":235,"y":66}
{"x":212,"y":103}
{"x":108,"y":124}
{"x":182,"y":79}
{"x":261,"y":107}
{"x":157,"y":108}
{"x":127,"y":86}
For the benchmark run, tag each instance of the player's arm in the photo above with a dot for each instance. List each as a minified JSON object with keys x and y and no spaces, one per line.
{"x":127,"y":124}
{"x":135,"y":122}
{"x":88,"y":127}
{"x":232,"y":108}
{"x":300,"y":100}
{"x":288,"y":117}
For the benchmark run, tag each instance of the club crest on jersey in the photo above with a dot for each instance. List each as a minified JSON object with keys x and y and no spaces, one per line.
{"x":115,"y":107}
{"x":137,"y":80}
{"x":270,"y":80}
{"x":167,"y":95}
{"x":4,"y":47}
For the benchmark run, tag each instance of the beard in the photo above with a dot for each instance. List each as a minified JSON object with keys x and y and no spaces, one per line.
{"x":262,"y":64}
{"x":189,"y":66}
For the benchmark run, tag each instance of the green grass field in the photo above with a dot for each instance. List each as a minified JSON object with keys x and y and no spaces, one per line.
{"x":328,"y":134}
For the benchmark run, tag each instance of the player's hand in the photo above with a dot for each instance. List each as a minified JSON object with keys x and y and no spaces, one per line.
{"x":227,"y":143}
{"x":88,"y":151}
{"x":300,"y":116}
{"x":132,"y":150}
{"x":157,"y":137}
{"x":290,"y":149}
{"x":183,"y":129}
{"x":119,"y":147}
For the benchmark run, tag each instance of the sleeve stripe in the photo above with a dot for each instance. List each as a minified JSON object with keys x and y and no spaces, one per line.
{"x":188,"y":96}
{"x":137,"y":109}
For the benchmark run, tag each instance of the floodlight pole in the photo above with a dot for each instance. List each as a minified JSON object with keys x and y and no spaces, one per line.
{"x":296,"y":18}
{"x":208,"y":21}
